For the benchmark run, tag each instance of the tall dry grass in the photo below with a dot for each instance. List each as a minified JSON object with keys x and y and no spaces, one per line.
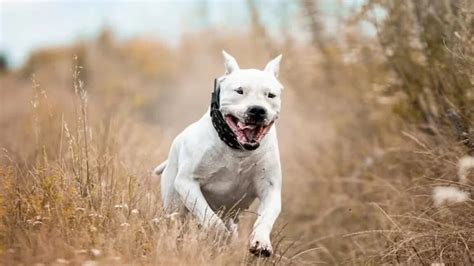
{"x":81,"y":198}
{"x":364,"y":136}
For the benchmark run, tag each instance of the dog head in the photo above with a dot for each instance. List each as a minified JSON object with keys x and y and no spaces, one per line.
{"x":250,"y":99}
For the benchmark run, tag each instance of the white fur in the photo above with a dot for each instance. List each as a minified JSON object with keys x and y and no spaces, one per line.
{"x":204,"y":175}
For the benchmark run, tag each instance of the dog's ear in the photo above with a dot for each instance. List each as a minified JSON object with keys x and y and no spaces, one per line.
{"x":230,"y":63}
{"x":274,"y":66}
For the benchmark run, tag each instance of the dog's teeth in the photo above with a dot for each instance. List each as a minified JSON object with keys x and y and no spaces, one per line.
{"x":243,"y":126}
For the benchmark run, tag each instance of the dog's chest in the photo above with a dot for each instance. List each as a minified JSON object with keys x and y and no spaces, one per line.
{"x":227,"y":181}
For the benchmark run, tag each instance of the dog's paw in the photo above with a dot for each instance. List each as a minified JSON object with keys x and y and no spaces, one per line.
{"x":261,"y":247}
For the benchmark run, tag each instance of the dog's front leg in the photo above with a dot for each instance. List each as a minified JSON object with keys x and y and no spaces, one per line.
{"x":190,"y":192}
{"x":268,"y":211}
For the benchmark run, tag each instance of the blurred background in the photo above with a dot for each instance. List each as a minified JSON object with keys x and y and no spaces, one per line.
{"x":377,"y":108}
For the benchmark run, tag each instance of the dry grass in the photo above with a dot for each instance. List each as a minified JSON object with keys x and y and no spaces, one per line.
{"x":360,"y":156}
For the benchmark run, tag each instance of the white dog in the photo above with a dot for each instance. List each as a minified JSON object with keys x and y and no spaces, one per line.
{"x":221,"y":163}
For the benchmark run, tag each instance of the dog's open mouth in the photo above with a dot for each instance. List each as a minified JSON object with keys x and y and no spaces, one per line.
{"x":248,"y":134}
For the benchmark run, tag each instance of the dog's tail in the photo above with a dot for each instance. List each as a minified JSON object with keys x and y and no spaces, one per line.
{"x":160,"y":168}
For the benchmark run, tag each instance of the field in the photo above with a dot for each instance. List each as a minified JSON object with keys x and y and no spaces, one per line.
{"x":373,"y":134}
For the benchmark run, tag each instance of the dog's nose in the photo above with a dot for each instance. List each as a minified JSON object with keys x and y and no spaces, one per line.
{"x":257,"y":112}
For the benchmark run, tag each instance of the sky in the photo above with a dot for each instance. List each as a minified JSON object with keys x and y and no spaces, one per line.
{"x":28,"y":25}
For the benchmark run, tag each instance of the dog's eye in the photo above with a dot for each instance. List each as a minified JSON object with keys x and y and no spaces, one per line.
{"x":271,"y":95}
{"x":239,"y":91}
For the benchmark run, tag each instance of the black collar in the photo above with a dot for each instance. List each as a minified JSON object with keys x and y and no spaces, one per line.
{"x":223,"y":130}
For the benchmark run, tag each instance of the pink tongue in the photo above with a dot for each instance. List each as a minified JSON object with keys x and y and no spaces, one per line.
{"x":250,"y":131}
{"x":250,"y":134}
